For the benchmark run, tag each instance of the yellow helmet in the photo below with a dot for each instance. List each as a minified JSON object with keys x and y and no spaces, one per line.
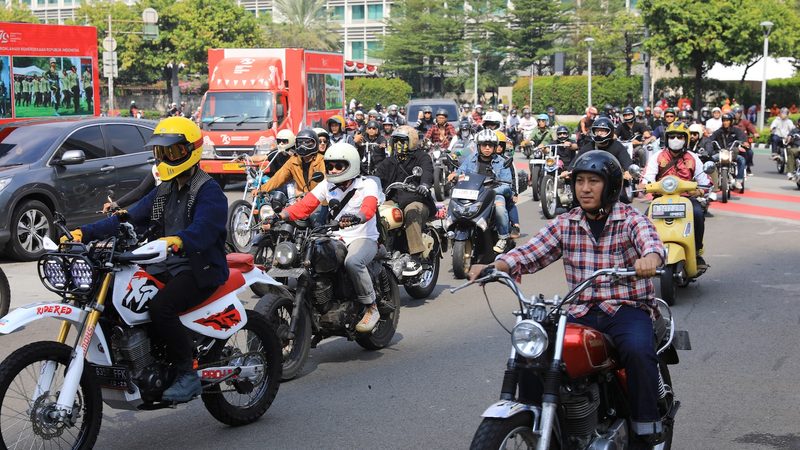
{"x":501,"y":138}
{"x":678,"y":127}
{"x":177,"y":145}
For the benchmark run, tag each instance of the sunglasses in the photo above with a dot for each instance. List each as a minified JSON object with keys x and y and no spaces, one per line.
{"x":323,"y":141}
{"x":372,"y":128}
{"x":563,"y":134}
{"x":283,"y":141}
{"x":669,"y":115}
{"x":336,"y":165}
{"x":171,"y":153}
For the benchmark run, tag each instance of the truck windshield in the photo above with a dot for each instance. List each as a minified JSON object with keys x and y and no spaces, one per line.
{"x":238,"y":110}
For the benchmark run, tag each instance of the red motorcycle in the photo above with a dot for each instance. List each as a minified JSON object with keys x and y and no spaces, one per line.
{"x":585,"y":403}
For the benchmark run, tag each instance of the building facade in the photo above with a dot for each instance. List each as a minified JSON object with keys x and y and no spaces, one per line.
{"x":54,"y":11}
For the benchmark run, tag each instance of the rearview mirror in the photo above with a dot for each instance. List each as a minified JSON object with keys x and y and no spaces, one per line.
{"x":316,"y":177}
{"x":417,"y":171}
{"x":709,"y":167}
{"x":634,"y":170}
{"x":71,"y":158}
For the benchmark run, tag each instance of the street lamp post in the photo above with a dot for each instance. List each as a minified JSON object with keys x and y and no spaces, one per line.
{"x":589,"y":42}
{"x":767,"y":26}
{"x":475,"y":54}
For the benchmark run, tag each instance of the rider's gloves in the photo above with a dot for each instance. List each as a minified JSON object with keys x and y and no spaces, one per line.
{"x":348,"y":220}
{"x":77,"y":236}
{"x":422,"y":190}
{"x":173,"y":242}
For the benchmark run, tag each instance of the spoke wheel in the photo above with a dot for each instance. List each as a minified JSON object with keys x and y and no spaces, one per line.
{"x":515,"y":432}
{"x":240,"y":234}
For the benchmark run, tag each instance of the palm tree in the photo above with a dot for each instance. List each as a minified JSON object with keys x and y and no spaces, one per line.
{"x":303,"y":23}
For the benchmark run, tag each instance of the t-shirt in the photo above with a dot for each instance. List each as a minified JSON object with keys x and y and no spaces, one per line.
{"x":781,"y":127}
{"x":365,"y":187}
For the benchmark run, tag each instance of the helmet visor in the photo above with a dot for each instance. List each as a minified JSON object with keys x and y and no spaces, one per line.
{"x":400,"y":145}
{"x":172,"y":153}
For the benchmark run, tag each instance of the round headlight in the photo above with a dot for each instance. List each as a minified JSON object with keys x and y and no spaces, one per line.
{"x":669,"y":184}
{"x":81,"y":272}
{"x":285,"y":254}
{"x":265,"y":211}
{"x":549,"y":162}
{"x":529,"y":339}
{"x":51,"y":269}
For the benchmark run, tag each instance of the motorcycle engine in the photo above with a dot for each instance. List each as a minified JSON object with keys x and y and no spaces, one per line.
{"x":323,"y":293}
{"x":132,"y":348}
{"x":580,"y":410}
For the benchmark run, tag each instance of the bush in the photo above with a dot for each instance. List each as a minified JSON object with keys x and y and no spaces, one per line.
{"x":370,"y":91}
{"x":567,"y":94}
{"x":782,"y":92}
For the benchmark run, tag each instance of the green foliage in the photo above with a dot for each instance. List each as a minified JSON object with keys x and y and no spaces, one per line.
{"x":530,"y":32}
{"x":782,"y":92}
{"x":568,"y":94}
{"x":306,"y":25}
{"x":15,"y":12}
{"x":370,"y":91}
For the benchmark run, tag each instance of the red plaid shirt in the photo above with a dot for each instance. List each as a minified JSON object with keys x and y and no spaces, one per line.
{"x":628,"y":235}
{"x":441,"y":136}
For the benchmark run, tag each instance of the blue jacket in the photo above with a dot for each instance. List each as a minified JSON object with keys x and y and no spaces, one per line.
{"x":203,"y":239}
{"x":470,"y":165}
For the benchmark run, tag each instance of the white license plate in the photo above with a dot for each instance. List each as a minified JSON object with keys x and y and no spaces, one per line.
{"x":465,"y":194}
{"x":536,"y":162}
{"x":668,"y":211}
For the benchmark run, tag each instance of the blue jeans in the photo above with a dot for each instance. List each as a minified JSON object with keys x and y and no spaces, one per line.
{"x":502,"y":197}
{"x":740,"y":165}
{"x":631,"y":330}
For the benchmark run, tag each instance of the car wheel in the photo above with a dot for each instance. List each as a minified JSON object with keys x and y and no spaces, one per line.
{"x":30,"y":223}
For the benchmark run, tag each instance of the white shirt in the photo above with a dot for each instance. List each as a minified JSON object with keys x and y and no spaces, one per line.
{"x":713,"y":125}
{"x":651,"y":171}
{"x":365,"y":187}
{"x":781,"y":127}
{"x":527,"y":123}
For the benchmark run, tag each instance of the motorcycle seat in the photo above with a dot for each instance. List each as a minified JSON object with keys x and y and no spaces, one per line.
{"x":242,"y":262}
{"x":235,"y":281}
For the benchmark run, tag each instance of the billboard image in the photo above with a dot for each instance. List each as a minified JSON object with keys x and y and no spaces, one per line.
{"x":5,"y":87}
{"x":324,"y":91}
{"x":52,"y":86}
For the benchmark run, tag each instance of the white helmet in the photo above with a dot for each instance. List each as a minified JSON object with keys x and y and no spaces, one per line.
{"x":285,"y":135}
{"x":696,"y":128}
{"x":488,"y":136}
{"x":493,"y":117}
{"x":341,"y":152}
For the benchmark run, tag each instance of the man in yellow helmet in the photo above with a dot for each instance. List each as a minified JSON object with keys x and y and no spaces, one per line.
{"x":188,"y":210}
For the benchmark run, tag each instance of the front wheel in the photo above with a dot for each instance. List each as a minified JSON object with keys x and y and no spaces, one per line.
{"x":723,"y":185}
{"x":462,"y":258}
{"x":5,"y":294}
{"x":240,"y":236}
{"x":668,"y":284}
{"x":278,"y":311}
{"x":535,"y":183}
{"x":27,"y":412}
{"x":781,"y":165}
{"x":515,"y":432}
{"x":438,"y":184}
{"x":549,"y":196}
{"x":241,"y":401}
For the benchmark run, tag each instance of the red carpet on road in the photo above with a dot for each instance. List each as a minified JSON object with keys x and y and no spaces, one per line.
{"x":738,"y":205}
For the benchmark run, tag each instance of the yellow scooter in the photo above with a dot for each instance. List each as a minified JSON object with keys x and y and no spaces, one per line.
{"x":673,"y":217}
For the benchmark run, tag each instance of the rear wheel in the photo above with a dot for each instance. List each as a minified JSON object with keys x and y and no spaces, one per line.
{"x":669,"y":424}
{"x":781,"y":165}
{"x":278,"y":311}
{"x":242,"y":401}
{"x":240,"y":235}
{"x":389,"y":309}
{"x":515,"y":432}
{"x":30,"y":223}
{"x":462,"y":258}
{"x":429,"y":277}
{"x":667,"y":281}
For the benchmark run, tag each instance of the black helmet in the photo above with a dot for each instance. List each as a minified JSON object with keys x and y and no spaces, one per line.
{"x":551,"y":110}
{"x":427,"y":109}
{"x":602,"y":123}
{"x":605,"y":165}
{"x":685,"y":116}
{"x":608,"y":108}
{"x":306,"y":142}
{"x":727,"y":116}
{"x":628,"y":111}
{"x":464,"y":126}
{"x":373,"y":124}
{"x":378,"y":107}
{"x":562,"y":133}
{"x":705,"y":113}
{"x":441,"y":112}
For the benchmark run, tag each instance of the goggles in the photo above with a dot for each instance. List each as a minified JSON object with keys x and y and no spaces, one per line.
{"x":283,"y":141}
{"x":563,"y":135}
{"x":338,"y":166}
{"x":172,"y":153}
{"x":304,"y":143}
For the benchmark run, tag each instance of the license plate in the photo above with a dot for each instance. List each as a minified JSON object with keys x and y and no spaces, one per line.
{"x":668,"y":211}
{"x":277,"y":272}
{"x":111,"y":377}
{"x":465,"y":194}
{"x":536,"y":162}
{"x":232,"y":166}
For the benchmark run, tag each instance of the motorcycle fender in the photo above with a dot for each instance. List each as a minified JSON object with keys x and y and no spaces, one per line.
{"x":675,"y":253}
{"x":462,"y":234}
{"x":506,"y":408}
{"x":670,"y":355}
{"x":259,"y":276}
{"x":20,"y":317}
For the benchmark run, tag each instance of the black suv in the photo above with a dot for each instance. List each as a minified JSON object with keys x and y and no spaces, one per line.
{"x":65,"y":165}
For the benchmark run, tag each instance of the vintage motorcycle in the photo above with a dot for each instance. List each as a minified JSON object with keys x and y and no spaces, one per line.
{"x":556,"y":191}
{"x":444,"y":163}
{"x":393,"y":237}
{"x":55,"y":390}
{"x":727,"y":169}
{"x":537,"y":166}
{"x":318,"y":300}
{"x":244,"y":214}
{"x":581,"y":400}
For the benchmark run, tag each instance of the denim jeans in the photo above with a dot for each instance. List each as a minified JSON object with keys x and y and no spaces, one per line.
{"x":502,"y":197}
{"x":360,"y":253}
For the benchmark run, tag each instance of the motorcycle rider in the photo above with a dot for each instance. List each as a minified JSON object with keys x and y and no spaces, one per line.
{"x":493,"y":121}
{"x":674,"y":159}
{"x":388,"y":129}
{"x":610,"y":112}
{"x":357,"y":221}
{"x":542,"y":134}
{"x":629,"y":129}
{"x":715,"y":122}
{"x":395,"y":117}
{"x":425,"y":121}
{"x":583,"y":134}
{"x":463,"y":144}
{"x":476,"y":119}
{"x":602,"y":134}
{"x":686,"y":117}
{"x":513,"y":211}
{"x":374,"y":115}
{"x":601,"y":233}
{"x":750,"y":130}
{"x":551,"y":117}
{"x":512,"y":122}
{"x":335,"y":126}
{"x":669,"y":116}
{"x":697,"y":141}
{"x":705,"y":114}
{"x":486,"y":162}
{"x":526,"y":124}
{"x":567,"y":148}
{"x":657,"y":119}
{"x":361,"y":121}
{"x":779,"y":129}
{"x":188,"y":210}
{"x":442,"y":132}
{"x":299,"y":170}
{"x":376,"y":144}
{"x":639,"y":116}
{"x":323,"y":140}
{"x":792,"y":151}
{"x":418,"y":206}
{"x":724,"y":137}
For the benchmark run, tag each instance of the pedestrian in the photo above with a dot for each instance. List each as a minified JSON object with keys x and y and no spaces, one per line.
{"x":88,"y":90}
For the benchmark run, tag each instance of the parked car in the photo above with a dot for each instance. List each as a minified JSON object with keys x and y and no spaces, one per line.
{"x":415,"y":106}
{"x":65,"y":165}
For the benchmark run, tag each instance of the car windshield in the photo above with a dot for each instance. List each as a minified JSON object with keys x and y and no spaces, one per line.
{"x":413,"y":110}
{"x":250,"y":110}
{"x":26,"y":144}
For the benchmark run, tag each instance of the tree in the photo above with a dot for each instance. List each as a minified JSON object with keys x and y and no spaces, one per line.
{"x":17,"y":13}
{"x":304,"y":24}
{"x":535,"y":29}
{"x":426,"y":43}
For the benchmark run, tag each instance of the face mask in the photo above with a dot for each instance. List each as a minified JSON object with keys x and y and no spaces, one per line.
{"x":675,"y":144}
{"x":464,"y":134}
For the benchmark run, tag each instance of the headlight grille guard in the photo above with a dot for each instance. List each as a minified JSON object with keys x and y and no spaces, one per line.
{"x":55,"y":271}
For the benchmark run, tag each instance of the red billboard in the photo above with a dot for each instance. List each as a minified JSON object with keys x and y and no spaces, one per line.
{"x":48,"y":71}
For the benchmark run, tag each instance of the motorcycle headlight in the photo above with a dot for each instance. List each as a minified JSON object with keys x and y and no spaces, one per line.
{"x":468,"y":210}
{"x":265,"y":211}
{"x":53,"y":272}
{"x":285,"y":255}
{"x":437,"y":154}
{"x":529,"y":339}
{"x":669,"y":184}
{"x":82,"y":274}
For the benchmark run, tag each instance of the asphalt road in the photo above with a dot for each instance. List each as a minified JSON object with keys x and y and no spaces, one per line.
{"x":428,"y":389}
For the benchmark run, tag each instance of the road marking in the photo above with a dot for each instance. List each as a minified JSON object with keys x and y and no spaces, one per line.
{"x":771,"y":196}
{"x":758,"y":211}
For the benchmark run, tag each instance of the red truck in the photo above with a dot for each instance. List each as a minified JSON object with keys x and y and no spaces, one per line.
{"x":254,"y":93}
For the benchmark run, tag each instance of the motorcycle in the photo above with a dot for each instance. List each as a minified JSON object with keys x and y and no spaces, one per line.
{"x":537,"y":166}
{"x":444,"y":163}
{"x":727,"y":169}
{"x":783,"y":154}
{"x":470,"y":222}
{"x":244,"y":214}
{"x":393,"y":236}
{"x":320,"y":303}
{"x":585,"y":403}
{"x":556,"y":191}
{"x":673,"y":217}
{"x":55,"y":391}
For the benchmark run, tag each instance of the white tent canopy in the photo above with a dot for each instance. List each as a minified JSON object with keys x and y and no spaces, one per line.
{"x":30,"y":70}
{"x":776,"y":68}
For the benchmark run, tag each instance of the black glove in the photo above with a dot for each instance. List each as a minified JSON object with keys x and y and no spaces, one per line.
{"x":422,"y":190}
{"x":273,"y":219}
{"x":348,"y":220}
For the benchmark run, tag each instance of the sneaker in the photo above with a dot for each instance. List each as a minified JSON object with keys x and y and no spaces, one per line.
{"x":412,"y":267}
{"x":712,"y":196}
{"x":500,"y":246}
{"x":515,"y":231}
{"x":370,"y":319}
{"x":702,"y":265}
{"x":749,"y":172}
{"x":738,"y":185}
{"x":184,"y":388}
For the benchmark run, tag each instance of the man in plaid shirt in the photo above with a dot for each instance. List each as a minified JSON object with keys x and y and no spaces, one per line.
{"x":605,"y":233}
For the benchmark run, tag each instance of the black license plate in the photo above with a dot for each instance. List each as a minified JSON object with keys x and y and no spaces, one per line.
{"x":113,"y":377}
{"x":668,"y":211}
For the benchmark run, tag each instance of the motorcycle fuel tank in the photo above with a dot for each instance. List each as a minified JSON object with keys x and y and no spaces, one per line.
{"x":585,"y":351}
{"x":391,"y":216}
